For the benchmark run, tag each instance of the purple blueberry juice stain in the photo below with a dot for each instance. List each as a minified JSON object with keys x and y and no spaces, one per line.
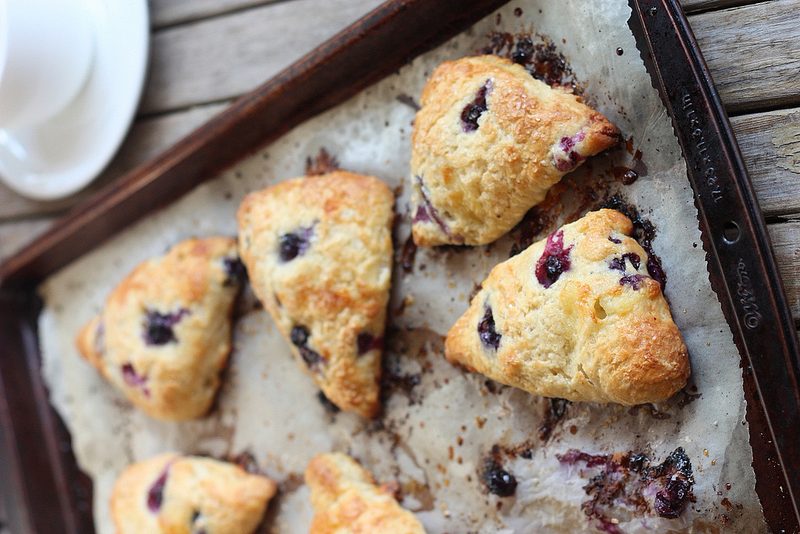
{"x":618,"y":264}
{"x":134,"y":379}
{"x":299,"y":337}
{"x":473,"y":111}
{"x":541,"y":59}
{"x":235,"y":273}
{"x":555,"y":410}
{"x":366,"y":342}
{"x":486,"y":330}
{"x":632,"y":480}
{"x":554,"y":261}
{"x":615,"y":240}
{"x":158,"y":327}
{"x":675,"y":478}
{"x":566,"y":158}
{"x":295,"y":243}
{"x":655,"y":270}
{"x":426,"y":212}
{"x":155,"y":495}
{"x":634,"y":281}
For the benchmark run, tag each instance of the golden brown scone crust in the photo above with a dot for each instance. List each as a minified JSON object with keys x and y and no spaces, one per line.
{"x":471,"y":187}
{"x":328,"y":296}
{"x":173,"y":494}
{"x":590,"y":336}
{"x":175,"y":375}
{"x":347,"y":501}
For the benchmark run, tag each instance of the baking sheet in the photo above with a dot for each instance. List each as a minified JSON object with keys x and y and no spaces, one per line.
{"x":440,"y":423}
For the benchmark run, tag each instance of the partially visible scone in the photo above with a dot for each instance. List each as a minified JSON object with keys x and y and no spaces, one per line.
{"x":488,"y":142}
{"x":347,"y":501}
{"x":164,"y":334}
{"x":318,"y":251}
{"x":173,"y":494}
{"x":575,"y":316}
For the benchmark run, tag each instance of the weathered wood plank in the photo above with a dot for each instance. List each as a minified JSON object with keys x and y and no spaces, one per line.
{"x":691,"y":6}
{"x":770,"y":144}
{"x":786,"y":246}
{"x":15,"y":235}
{"x":226,"y":56}
{"x":753,"y":53}
{"x":147,"y":138}
{"x":173,"y":12}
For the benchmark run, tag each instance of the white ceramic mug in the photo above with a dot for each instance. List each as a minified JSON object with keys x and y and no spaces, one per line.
{"x":45,"y":53}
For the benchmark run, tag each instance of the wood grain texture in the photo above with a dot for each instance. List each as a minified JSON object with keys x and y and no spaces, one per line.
{"x":786,"y":247}
{"x":226,"y":56}
{"x":174,"y":12}
{"x":770,"y":144}
{"x":753,"y":53}
{"x":692,"y":6}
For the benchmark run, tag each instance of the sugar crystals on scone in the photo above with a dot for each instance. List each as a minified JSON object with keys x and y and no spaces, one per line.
{"x":164,"y":334}
{"x":347,"y":500}
{"x":575,"y":316}
{"x":318,"y":250}
{"x":173,"y":493}
{"x":488,"y":143}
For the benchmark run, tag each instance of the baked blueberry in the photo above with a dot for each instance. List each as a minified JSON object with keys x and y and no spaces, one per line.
{"x":554,"y":260}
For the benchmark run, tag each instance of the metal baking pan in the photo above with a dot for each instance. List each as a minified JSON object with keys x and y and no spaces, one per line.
{"x":47,"y":493}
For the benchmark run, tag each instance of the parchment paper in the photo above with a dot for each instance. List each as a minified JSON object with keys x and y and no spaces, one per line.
{"x":440,"y":422}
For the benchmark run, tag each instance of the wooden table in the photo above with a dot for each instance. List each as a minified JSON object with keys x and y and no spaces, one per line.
{"x":205,"y":53}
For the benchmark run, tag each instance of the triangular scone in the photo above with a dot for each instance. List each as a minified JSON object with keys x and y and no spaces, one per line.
{"x":318,"y":251}
{"x":575,"y":316}
{"x":164,"y":334}
{"x":171,"y":493}
{"x":347,"y":501}
{"x":488,"y":142}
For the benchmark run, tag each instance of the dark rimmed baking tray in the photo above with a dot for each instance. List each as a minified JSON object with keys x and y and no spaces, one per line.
{"x":46,"y":491}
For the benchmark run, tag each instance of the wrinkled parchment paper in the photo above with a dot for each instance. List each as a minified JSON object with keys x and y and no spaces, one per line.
{"x":440,"y":422}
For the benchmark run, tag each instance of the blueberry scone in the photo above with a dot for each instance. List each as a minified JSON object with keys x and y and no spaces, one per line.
{"x":575,"y":316}
{"x":347,"y":501}
{"x":319,"y":254}
{"x":164,"y":334}
{"x":488,"y":142}
{"x":185,"y":494}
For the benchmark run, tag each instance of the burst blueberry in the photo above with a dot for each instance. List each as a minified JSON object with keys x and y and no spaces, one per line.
{"x":158,"y":327}
{"x":235,"y":273}
{"x":473,"y":111}
{"x":295,"y":243}
{"x":633,"y":280}
{"x":619,"y":263}
{"x":134,"y":379}
{"x":554,"y":261}
{"x":299,"y":336}
{"x":155,"y":495}
{"x":487,"y":331}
